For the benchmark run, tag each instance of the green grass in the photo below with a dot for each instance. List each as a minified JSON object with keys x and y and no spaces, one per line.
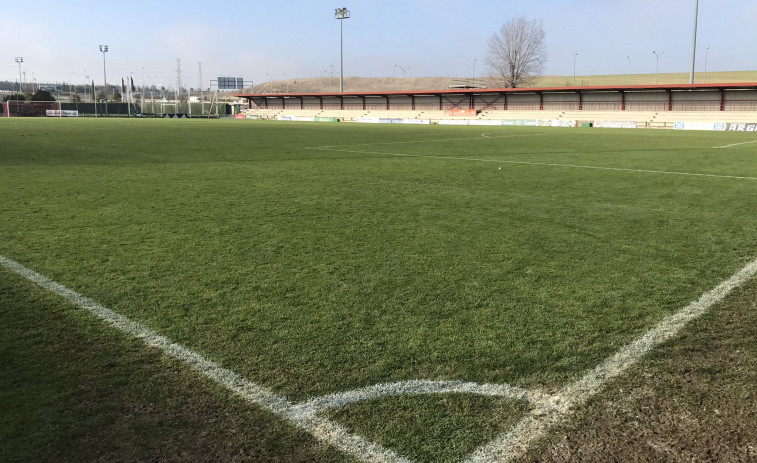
{"x":438,"y":428}
{"x":314,"y":272}
{"x":73,"y":389}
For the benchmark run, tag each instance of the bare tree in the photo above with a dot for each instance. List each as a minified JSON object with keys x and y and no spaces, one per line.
{"x":517,"y":52}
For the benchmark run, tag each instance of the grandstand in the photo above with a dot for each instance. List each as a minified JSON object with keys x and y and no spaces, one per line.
{"x":651,"y":106}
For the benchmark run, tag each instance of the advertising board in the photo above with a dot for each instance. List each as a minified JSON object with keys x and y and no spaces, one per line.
{"x":61,"y":113}
{"x":699,"y":126}
{"x":521,"y":122}
{"x":615,"y":124}
{"x":741,"y":127}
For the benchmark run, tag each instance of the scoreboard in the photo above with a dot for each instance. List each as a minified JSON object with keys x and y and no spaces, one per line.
{"x":230,"y":83}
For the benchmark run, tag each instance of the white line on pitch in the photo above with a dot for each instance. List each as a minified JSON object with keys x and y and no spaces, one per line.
{"x":418,"y":387}
{"x":438,"y":140}
{"x":548,"y":411}
{"x":321,"y":428}
{"x":545,"y":164}
{"x":735,"y":144}
{"x":510,"y":445}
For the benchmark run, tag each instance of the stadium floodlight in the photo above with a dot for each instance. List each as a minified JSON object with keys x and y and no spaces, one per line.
{"x":657,"y":68}
{"x":694,"y":43}
{"x":19,"y":60}
{"x":574,"y":69}
{"x":706,"y":52}
{"x":104,"y":50}
{"x":341,"y":14}
{"x":629,"y":69}
{"x":474,"y":72}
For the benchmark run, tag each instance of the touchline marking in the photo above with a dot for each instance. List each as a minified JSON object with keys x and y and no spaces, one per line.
{"x":734,"y":144}
{"x":547,"y":410}
{"x":546,"y":164}
{"x":321,"y":428}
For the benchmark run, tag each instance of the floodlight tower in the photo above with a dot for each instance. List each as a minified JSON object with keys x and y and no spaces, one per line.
{"x":474,"y":72}
{"x":657,"y":68}
{"x":574,"y":69}
{"x":694,"y":43}
{"x":19,"y":60}
{"x":104,"y":50}
{"x":341,"y":14}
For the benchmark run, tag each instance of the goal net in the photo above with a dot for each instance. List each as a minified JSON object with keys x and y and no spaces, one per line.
{"x":17,"y":108}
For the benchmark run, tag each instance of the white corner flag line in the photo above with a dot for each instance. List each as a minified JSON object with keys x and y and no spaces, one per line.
{"x":547,"y":410}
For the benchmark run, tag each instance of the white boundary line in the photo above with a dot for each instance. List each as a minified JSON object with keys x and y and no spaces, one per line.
{"x":547,"y":410}
{"x":418,"y":387}
{"x":734,"y":144}
{"x":545,"y":164}
{"x":437,"y":140}
{"x":512,"y":444}
{"x":321,"y":428}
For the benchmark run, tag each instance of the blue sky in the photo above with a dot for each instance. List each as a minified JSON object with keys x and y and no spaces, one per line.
{"x":294,"y":39}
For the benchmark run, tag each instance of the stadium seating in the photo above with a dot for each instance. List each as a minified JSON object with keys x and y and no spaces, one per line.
{"x":648,"y":119}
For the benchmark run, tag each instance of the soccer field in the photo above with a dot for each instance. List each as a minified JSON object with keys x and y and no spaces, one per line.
{"x":358,"y":279}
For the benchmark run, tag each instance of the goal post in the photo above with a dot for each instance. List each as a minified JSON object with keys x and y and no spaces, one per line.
{"x":170,"y":106}
{"x":18,"y":108}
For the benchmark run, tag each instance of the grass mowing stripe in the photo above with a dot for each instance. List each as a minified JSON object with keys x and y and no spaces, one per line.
{"x":545,"y":164}
{"x":548,"y":413}
{"x":321,"y":428}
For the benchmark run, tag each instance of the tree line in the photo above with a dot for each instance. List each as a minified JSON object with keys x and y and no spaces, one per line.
{"x":39,"y":95}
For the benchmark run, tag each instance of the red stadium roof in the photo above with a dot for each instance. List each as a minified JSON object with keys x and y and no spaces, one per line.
{"x":481,"y":91}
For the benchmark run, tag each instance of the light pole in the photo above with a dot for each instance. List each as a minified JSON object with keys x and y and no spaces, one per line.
{"x":657,"y":68}
{"x":270,"y":80}
{"x":341,"y":14}
{"x":142,"y":92}
{"x":19,"y":60}
{"x":694,"y":44}
{"x":70,"y":85}
{"x":629,"y":69}
{"x":474,"y":72}
{"x":706,"y":52}
{"x":104,"y":50}
{"x":574,"y":69}
{"x":541,"y":69}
